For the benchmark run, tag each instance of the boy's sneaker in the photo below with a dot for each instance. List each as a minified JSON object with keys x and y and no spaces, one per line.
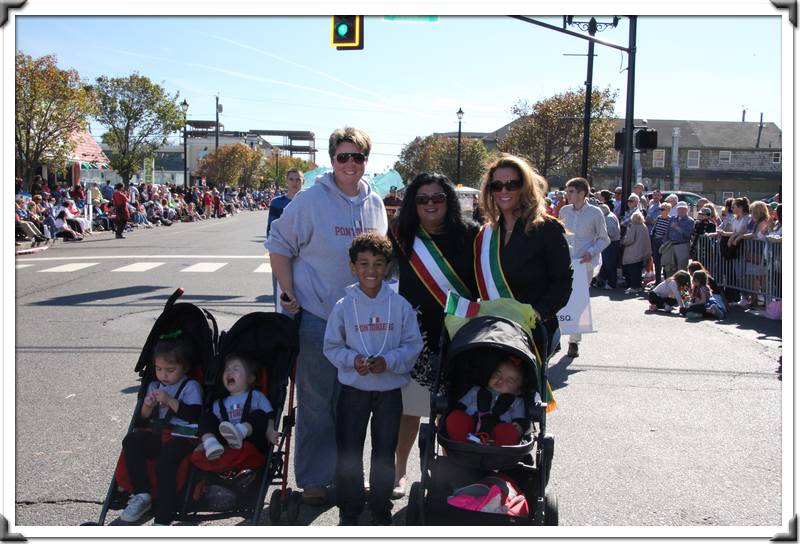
{"x":138,"y":505}
{"x":231,"y":434}
{"x":667,"y":308}
{"x":382,"y":518}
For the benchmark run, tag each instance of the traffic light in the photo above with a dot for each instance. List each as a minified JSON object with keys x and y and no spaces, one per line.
{"x":646,"y":138}
{"x":619,"y":140}
{"x":347,"y":32}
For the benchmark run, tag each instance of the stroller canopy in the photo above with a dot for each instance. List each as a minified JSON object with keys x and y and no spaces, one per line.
{"x":488,"y":331}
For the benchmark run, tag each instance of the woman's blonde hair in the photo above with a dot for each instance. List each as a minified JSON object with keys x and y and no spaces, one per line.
{"x":531,"y":194}
{"x":637,"y":218}
{"x":761,"y":208}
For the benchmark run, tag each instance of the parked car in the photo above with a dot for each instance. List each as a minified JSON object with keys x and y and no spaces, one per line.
{"x":683,"y":196}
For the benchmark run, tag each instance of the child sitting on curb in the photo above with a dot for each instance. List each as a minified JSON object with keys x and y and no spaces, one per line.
{"x":670,"y":292}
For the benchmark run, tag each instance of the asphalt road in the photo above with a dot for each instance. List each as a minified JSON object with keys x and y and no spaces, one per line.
{"x":661,"y":422}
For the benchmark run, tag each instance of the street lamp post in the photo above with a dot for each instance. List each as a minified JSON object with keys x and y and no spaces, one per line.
{"x":276,"y":154}
{"x":185,"y":108}
{"x":592,"y":26}
{"x":460,"y":114}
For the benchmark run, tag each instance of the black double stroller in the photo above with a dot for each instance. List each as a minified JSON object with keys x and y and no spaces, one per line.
{"x":447,"y":465}
{"x":269,"y":339}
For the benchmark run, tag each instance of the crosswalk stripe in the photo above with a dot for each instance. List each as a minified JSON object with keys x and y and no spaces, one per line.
{"x":263,"y":269}
{"x":72,"y":267}
{"x":204,"y":267}
{"x":137,"y":267}
{"x":23,"y":266}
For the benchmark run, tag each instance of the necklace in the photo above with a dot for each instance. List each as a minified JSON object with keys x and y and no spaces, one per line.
{"x":385,"y":334}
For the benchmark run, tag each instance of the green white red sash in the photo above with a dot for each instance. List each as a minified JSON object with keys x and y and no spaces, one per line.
{"x":433,"y":269}
{"x":492,"y":283}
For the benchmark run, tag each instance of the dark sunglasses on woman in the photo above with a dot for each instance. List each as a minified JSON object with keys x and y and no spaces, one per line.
{"x":358,"y":158}
{"x":436,"y":198}
{"x":512,"y":185}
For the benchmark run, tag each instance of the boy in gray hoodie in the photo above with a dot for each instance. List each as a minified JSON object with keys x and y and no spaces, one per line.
{"x":373,"y":339}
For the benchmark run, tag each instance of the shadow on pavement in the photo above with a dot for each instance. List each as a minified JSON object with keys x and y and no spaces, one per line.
{"x":83,"y":298}
{"x":558,"y":374}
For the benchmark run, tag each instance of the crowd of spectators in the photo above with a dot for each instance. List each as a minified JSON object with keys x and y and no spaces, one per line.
{"x":673,"y":234}
{"x":49,"y":211}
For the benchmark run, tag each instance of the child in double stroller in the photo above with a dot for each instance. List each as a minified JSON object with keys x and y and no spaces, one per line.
{"x":489,"y":376}
{"x":244,"y":373}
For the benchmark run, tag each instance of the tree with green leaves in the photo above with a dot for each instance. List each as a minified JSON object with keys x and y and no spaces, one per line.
{"x":549,"y":133}
{"x":439,"y":154}
{"x":51,"y":106}
{"x":139,"y":115}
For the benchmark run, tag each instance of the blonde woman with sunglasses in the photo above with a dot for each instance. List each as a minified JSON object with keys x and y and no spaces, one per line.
{"x":522,"y":252}
{"x":308,"y":247}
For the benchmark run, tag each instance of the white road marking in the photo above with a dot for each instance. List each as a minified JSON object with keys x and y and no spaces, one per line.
{"x":23,"y":266}
{"x":204,"y":267}
{"x":72,"y":267}
{"x":263,"y":256}
{"x":263,"y":269}
{"x":137,"y":267}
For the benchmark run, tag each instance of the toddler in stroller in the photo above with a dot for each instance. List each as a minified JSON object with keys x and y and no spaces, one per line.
{"x":494,"y":414}
{"x":171,"y":405}
{"x":245,"y":414}
{"x":486,"y":353}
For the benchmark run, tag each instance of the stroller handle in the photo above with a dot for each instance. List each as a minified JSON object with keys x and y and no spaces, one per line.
{"x":173,"y":297}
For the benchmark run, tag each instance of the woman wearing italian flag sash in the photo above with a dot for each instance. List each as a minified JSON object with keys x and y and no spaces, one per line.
{"x":521,"y":252}
{"x":433,"y":250}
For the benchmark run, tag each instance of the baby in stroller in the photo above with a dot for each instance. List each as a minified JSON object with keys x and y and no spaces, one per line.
{"x":494,"y":414}
{"x":171,"y":407}
{"x":245,"y":414}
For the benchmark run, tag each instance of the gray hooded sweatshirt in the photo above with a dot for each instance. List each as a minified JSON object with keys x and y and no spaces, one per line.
{"x":315,"y":232}
{"x":385,"y":325}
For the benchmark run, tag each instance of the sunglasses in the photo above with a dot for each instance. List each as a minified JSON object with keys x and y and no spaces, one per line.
{"x":512,"y":185}
{"x":436,"y":198}
{"x":358,"y":158}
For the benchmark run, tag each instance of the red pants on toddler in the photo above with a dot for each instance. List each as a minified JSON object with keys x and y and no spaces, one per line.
{"x":459,"y":424}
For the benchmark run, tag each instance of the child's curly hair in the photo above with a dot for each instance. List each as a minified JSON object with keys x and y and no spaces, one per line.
{"x":375,"y":243}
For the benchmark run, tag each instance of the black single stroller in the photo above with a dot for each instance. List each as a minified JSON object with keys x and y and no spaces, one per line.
{"x":201,"y":327}
{"x":468,"y":359}
{"x":271,"y":341}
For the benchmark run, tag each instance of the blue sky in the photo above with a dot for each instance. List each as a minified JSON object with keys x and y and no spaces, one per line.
{"x":281,"y":72}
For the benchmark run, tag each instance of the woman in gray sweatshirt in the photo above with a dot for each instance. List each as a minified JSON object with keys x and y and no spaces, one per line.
{"x":308,"y":248}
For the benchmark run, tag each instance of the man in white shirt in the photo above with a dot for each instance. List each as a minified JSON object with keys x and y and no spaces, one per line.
{"x":586,"y":233}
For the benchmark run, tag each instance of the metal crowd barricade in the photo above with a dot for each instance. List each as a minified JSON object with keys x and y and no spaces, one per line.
{"x":755,"y":268}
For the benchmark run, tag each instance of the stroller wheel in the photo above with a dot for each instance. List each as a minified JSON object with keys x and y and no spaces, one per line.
{"x":550,"y":509}
{"x":416,"y":496}
{"x":275,"y":507}
{"x":293,"y":506}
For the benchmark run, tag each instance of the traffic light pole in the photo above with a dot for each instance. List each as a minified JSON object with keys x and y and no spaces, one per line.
{"x":627,"y":169}
{"x":631,"y":51}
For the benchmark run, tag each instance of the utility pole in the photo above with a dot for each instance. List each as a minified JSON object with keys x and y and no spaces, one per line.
{"x":217,"y":109}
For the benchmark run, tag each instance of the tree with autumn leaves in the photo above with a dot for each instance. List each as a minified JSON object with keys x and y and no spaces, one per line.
{"x":438,"y":154}
{"x":50,"y":105}
{"x":549,"y":133}
{"x":241,"y":165}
